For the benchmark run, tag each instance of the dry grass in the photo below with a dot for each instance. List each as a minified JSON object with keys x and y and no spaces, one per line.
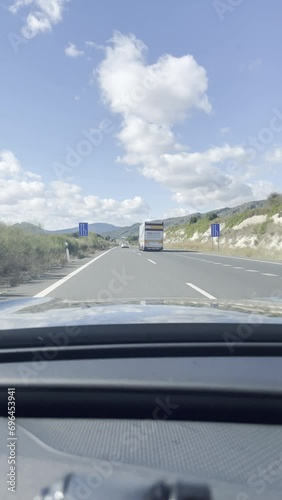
{"x":254,"y":253}
{"x":24,"y":255}
{"x":257,"y":238}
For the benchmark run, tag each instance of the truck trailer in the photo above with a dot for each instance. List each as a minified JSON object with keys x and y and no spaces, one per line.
{"x":151,"y":235}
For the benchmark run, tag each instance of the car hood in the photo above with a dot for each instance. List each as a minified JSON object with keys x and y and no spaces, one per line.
{"x":44,"y":312}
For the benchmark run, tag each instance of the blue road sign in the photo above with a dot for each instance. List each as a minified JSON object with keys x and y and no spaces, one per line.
{"x":215,"y":230}
{"x":83,"y":229}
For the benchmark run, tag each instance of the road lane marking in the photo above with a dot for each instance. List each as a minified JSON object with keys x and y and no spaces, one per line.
{"x":255,"y":261}
{"x":201,"y":260}
{"x":69,"y":276}
{"x":226,"y":265}
{"x":244,"y":258}
{"x":151,"y":261}
{"x":139,"y":253}
{"x":238,"y":267}
{"x":206,"y":294}
{"x":251,"y":271}
{"x":269,"y":274}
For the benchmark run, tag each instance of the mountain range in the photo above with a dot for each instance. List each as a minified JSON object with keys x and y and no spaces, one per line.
{"x":113,"y":231}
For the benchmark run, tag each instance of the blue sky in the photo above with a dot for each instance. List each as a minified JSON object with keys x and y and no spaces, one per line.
{"x":189,"y":92}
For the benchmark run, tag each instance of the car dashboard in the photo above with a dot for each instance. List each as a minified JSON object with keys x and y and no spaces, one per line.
{"x":155,"y":420}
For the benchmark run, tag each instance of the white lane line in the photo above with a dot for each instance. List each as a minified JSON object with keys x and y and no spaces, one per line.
{"x":255,"y":261}
{"x":226,"y":265}
{"x":206,"y":294}
{"x":69,"y":276}
{"x":151,"y":261}
{"x":238,"y":267}
{"x":271,"y":275}
{"x":251,"y":271}
{"x":139,"y":253}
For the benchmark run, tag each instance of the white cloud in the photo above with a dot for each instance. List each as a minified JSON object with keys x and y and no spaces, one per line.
{"x":142,"y":139}
{"x":94,"y":45}
{"x":9,"y":164}
{"x":262,"y":189}
{"x":255,"y":64}
{"x":162,"y":93}
{"x":60,"y":204}
{"x":13,"y":191}
{"x":72,"y":51}
{"x":274,"y":156}
{"x":151,"y":99}
{"x":31,"y":175}
{"x":41,"y":17}
{"x":176,"y":212}
{"x":18,"y":4}
{"x":77,"y":97}
{"x":224,"y":130}
{"x":204,"y":180}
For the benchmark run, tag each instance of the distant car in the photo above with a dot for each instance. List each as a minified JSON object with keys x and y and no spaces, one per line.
{"x":125,"y":245}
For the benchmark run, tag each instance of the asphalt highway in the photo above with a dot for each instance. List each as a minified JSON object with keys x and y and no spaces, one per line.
{"x":132,"y":274}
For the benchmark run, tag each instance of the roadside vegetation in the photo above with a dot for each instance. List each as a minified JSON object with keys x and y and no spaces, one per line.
{"x":24,"y":255}
{"x":262,"y":239}
{"x":133,"y":240}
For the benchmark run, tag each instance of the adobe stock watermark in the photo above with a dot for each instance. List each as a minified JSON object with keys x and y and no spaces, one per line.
{"x":265,"y":136}
{"x":140,"y":91}
{"x":131,"y":442}
{"x":117,"y":284}
{"x":50,"y":352}
{"x":223,"y":7}
{"x":17,"y":41}
{"x":253,"y":321}
{"x":144,"y":429}
{"x":56,"y":341}
{"x":262,"y":477}
{"x":92,"y":139}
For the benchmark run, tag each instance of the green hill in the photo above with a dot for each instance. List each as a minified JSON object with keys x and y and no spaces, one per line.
{"x":252,"y":229}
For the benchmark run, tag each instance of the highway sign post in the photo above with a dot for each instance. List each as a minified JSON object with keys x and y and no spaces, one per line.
{"x":83,"y":228}
{"x":215,"y":233}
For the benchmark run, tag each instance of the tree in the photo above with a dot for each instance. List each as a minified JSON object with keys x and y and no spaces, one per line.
{"x":132,"y":239}
{"x":274,"y":198}
{"x":212,"y":216}
{"x":194,"y":219}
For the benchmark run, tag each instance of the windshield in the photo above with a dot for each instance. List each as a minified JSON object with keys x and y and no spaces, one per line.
{"x":140,"y":151}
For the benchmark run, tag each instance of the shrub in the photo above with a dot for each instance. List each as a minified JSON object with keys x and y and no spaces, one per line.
{"x":24,"y":254}
{"x":194,"y":219}
{"x":212,"y":216}
{"x":274,"y":198}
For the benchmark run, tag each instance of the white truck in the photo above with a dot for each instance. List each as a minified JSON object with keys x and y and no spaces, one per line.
{"x":151,"y":236}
